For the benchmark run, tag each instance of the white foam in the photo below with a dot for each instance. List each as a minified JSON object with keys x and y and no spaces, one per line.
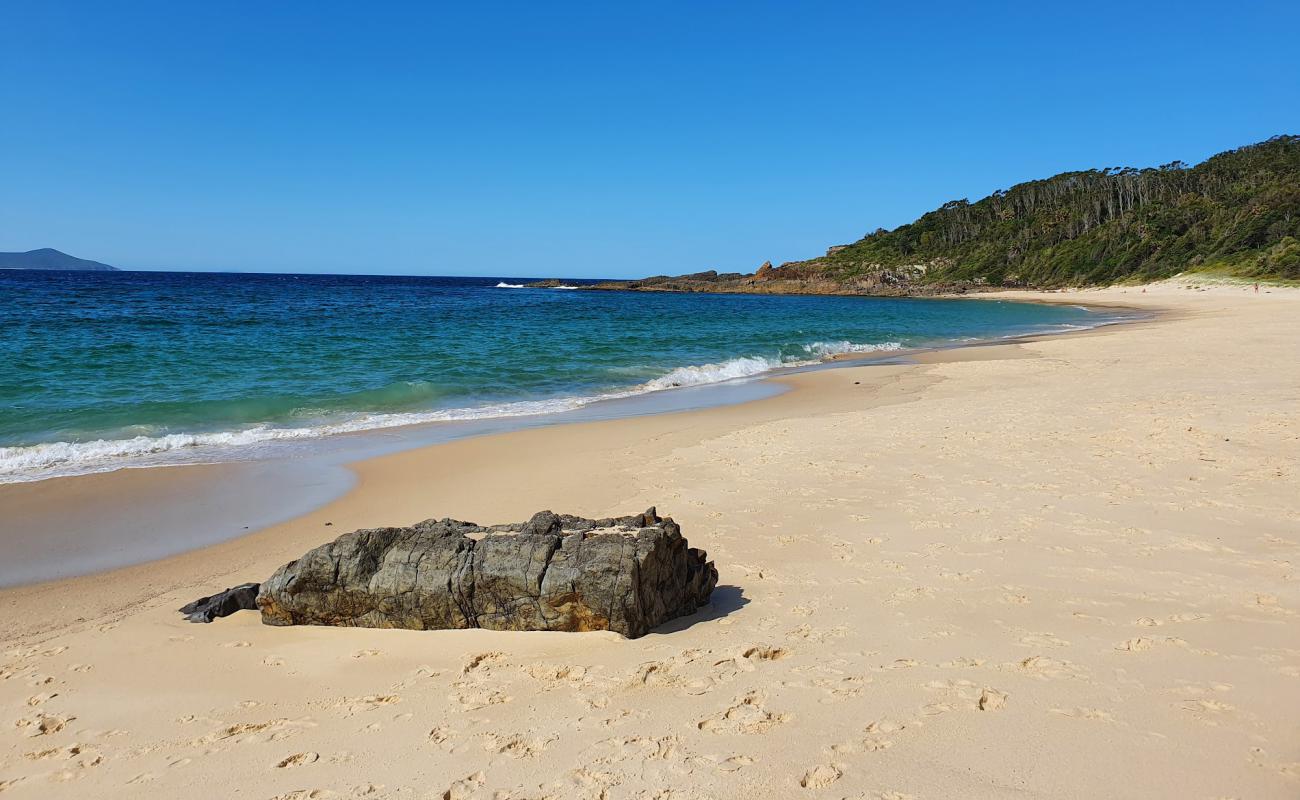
{"x":713,"y":373}
{"x":54,"y":459}
{"x":504,"y":285}
{"x":828,"y":349}
{"x":34,"y":462}
{"x":566,"y":287}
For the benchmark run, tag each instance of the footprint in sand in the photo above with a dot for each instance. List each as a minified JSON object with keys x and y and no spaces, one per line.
{"x":236,"y":644}
{"x":1045,"y":668}
{"x":574,"y":675}
{"x":842,"y":551}
{"x":471,"y":693}
{"x":465,"y":788}
{"x":1143,"y":643}
{"x":516,"y":746}
{"x":962,"y":662}
{"x":298,"y":760}
{"x":734,"y":763}
{"x":442,"y":736}
{"x":356,"y":705}
{"x":1094,"y":714}
{"x":885,"y":726}
{"x":903,"y":663}
{"x":252,"y":732}
{"x":41,"y":699}
{"x":1206,"y":709}
{"x":367,"y":653}
{"x":869,"y":745}
{"x":472,"y":699}
{"x":820,"y":776}
{"x":82,"y":755}
{"x":481,"y":661}
{"x":1043,"y":640}
{"x":747,"y":659}
{"x":668,"y":672}
{"x":747,"y":716}
{"x":992,"y":700}
{"x":42,"y":724}
{"x":839,"y":689}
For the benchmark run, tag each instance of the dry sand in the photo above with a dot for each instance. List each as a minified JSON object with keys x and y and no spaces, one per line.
{"x":1062,"y":568}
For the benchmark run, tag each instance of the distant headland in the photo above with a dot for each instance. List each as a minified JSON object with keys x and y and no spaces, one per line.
{"x":1236,"y":213}
{"x":49,"y":258}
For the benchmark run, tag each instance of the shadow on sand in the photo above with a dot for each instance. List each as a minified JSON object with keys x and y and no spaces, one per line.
{"x":724,"y":601}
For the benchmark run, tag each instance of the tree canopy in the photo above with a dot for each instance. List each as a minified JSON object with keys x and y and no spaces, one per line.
{"x":1239,"y":210}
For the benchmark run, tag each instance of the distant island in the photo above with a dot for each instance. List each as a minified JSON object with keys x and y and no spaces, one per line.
{"x":50,"y":259}
{"x":1237,"y":213}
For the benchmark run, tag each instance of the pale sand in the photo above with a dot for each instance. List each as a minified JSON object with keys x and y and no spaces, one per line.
{"x":1068,"y":573}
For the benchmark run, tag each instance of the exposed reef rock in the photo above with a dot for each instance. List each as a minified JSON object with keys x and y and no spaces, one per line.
{"x":796,"y":277}
{"x":553,"y":573}
{"x":222,"y":604}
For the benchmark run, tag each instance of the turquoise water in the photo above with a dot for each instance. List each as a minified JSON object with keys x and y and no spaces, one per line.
{"x":100,"y":369}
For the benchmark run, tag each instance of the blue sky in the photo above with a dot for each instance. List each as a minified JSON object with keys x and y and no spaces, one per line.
{"x":602,"y":139}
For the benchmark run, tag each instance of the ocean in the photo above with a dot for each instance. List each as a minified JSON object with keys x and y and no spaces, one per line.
{"x":100,"y":371}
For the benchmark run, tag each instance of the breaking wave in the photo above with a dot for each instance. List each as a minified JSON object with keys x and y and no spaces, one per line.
{"x":54,"y":459}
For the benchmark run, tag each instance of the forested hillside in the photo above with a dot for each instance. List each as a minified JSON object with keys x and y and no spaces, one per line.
{"x":1238,"y":210}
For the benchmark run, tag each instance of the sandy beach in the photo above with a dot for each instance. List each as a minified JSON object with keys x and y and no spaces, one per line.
{"x":1056,"y":568}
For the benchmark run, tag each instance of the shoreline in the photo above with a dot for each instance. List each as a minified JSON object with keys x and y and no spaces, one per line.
{"x":271,"y":439}
{"x":979,"y":575}
{"x":327,"y":474}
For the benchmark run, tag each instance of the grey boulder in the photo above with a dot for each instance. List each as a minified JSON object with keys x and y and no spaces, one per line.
{"x":553,"y":573}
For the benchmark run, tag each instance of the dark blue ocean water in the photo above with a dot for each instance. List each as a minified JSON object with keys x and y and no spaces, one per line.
{"x":97,"y":369}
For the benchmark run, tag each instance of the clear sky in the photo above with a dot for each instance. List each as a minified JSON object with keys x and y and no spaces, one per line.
{"x":604,"y":139}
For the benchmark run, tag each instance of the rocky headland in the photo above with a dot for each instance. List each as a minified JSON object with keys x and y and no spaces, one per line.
{"x":1236,"y":213}
{"x":794,"y":277}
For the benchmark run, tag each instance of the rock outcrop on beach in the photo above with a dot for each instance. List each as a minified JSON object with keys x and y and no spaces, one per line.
{"x":552,"y":573}
{"x":222,"y":604}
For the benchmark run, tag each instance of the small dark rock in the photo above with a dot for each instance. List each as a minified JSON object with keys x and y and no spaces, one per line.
{"x":222,"y":604}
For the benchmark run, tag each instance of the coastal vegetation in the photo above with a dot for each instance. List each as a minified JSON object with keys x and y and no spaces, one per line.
{"x":1236,"y":213}
{"x":1239,"y":209}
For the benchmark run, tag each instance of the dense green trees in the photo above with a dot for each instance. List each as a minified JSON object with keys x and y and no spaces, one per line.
{"x":1239,"y":210}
